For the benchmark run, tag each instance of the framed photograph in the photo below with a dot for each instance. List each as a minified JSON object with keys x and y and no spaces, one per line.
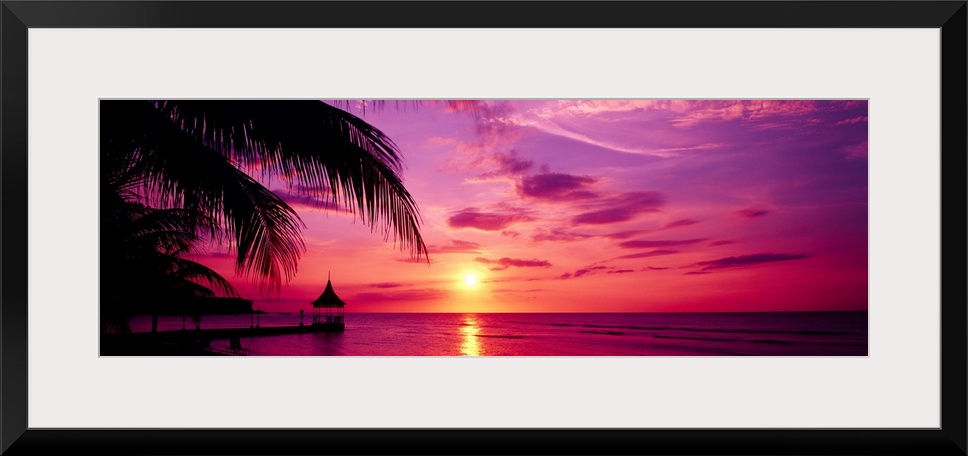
{"x":623,"y":228}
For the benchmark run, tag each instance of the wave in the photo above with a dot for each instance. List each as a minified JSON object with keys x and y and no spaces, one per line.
{"x":607,"y":333}
{"x":803,"y":332}
{"x":716,"y":339}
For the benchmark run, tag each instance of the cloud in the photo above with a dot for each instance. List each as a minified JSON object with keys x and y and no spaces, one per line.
{"x":308,"y":201}
{"x":622,"y":234}
{"x":645,"y":244}
{"x":723,"y":242}
{"x":856,"y":151}
{"x":620,"y":271}
{"x":472,"y":218}
{"x":683,"y":222}
{"x":506,"y":164}
{"x":558,"y":236}
{"x":620,"y":208}
{"x":751,"y":213}
{"x":652,"y":268}
{"x":386,"y":285}
{"x":646,"y":254}
{"x":425,"y":294}
{"x":590,"y":270}
{"x":556,"y":186}
{"x":852,"y":121}
{"x":748,"y":260}
{"x":696,"y":273}
{"x":510,"y":233}
{"x":505,"y":263}
{"x":456,"y":246}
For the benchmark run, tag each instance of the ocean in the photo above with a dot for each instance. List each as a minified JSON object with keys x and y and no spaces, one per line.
{"x":552,"y":334}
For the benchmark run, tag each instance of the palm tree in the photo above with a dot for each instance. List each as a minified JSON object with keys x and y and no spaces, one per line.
{"x":145,"y":248}
{"x":199,"y":158}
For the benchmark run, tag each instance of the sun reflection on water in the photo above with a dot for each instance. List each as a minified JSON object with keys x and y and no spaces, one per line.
{"x":470,"y":344}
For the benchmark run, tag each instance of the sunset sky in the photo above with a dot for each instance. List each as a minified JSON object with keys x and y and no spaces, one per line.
{"x":603,"y":206}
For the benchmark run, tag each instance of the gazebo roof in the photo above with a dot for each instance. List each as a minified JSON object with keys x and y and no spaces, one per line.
{"x":328,"y":298}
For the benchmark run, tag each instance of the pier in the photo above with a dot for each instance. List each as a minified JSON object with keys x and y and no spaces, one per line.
{"x":197,"y":341}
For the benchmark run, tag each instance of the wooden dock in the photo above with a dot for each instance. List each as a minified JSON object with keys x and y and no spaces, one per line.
{"x":183,"y":341}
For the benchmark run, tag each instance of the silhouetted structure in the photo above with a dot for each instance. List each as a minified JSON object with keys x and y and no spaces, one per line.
{"x":328,"y":308}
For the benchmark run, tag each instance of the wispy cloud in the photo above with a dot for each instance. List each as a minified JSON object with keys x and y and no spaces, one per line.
{"x":386,"y":285}
{"x":856,"y":151}
{"x":507,"y":164}
{"x":456,"y":246}
{"x":648,"y":244}
{"x":505,"y":263}
{"x":648,"y":254}
{"x":620,"y":208}
{"x":748,"y":260}
{"x":623,"y":234}
{"x":486,"y":221}
{"x":542,"y":235}
{"x":683,"y":222}
{"x":853,"y":120}
{"x":751,"y":213}
{"x":556,"y":186}
{"x":298,"y":200}
{"x":424,"y":294}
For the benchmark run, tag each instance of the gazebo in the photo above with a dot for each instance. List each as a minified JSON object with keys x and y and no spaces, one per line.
{"x":328,"y":308}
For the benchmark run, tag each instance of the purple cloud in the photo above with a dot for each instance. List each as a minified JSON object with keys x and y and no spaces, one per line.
{"x":426,"y":294}
{"x":724,"y":242}
{"x":560,"y":236}
{"x":644,"y":244}
{"x":386,"y":285}
{"x":683,"y":222}
{"x":621,"y":208}
{"x":586,"y":271}
{"x":472,"y":218}
{"x":308,"y":201}
{"x":456,"y":246}
{"x":647,"y":254}
{"x":853,"y":121}
{"x":620,"y":271}
{"x":748,"y":260}
{"x":507,"y":164}
{"x":652,"y":268}
{"x":505,"y":263}
{"x":622,"y":234}
{"x":751,"y":213}
{"x":556,"y":186}
{"x":510,"y":233}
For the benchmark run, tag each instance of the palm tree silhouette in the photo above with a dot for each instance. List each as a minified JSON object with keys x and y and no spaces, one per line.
{"x":193,"y":159}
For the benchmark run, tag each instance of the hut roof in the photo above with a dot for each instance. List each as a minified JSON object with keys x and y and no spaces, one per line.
{"x":328,"y":298}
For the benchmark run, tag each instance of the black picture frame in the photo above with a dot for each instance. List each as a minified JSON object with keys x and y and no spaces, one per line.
{"x":17,"y":16}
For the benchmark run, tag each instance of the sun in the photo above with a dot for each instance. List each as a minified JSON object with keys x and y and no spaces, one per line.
{"x":470,"y":280}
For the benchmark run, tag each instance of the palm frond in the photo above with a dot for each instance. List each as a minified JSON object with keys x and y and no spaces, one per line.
{"x":320,"y":148}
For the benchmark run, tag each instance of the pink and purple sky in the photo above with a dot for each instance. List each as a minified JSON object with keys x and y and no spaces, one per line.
{"x":603,"y":206}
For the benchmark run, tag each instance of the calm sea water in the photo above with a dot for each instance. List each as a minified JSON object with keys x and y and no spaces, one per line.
{"x":551,"y":334}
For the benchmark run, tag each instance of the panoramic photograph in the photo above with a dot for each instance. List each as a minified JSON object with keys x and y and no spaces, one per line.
{"x":606,"y":228}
